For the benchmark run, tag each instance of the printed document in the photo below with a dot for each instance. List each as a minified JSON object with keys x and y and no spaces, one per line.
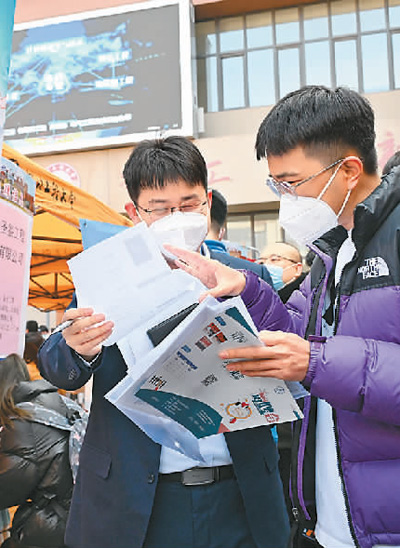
{"x":127,"y":278}
{"x":183,"y":382}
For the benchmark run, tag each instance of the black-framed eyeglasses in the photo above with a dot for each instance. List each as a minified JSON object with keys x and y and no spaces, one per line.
{"x":159,"y":212}
{"x":284,"y":187}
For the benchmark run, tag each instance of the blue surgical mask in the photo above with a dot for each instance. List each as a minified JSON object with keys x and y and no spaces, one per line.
{"x":276,"y":273}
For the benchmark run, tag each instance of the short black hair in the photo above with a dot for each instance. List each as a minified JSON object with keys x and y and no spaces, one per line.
{"x":219,"y":209}
{"x":33,"y":341}
{"x":393,"y":161}
{"x":158,"y":162}
{"x":32,"y":326}
{"x":325,"y":122}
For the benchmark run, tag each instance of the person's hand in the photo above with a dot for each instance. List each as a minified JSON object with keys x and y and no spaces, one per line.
{"x":285,"y":356}
{"x":221,"y":280}
{"x":85,"y":336}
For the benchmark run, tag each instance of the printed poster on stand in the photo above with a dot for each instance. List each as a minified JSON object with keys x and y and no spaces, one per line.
{"x":17,"y":193}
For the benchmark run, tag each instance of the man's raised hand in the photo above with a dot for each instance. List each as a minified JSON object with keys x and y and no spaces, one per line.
{"x":221,"y":280}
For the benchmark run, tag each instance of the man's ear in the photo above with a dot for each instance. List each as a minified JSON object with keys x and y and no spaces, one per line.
{"x":132,"y":213}
{"x":299,"y":269}
{"x":353,"y":169}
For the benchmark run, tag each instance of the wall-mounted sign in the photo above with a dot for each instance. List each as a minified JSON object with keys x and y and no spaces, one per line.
{"x":65,"y":171}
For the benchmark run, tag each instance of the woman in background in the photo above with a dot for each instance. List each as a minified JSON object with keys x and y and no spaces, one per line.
{"x":33,"y":342}
{"x":35,"y":472}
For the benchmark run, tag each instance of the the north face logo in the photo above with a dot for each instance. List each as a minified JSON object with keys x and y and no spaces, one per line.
{"x":373,"y":268}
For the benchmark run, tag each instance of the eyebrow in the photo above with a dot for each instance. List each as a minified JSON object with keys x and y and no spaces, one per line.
{"x":156,"y":201}
{"x":284,"y":175}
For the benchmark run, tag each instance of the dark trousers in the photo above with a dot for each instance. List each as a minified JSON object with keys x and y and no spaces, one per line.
{"x":285,"y":456}
{"x":211,"y":516}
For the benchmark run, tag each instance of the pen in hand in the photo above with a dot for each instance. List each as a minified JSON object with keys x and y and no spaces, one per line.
{"x":89,"y":332}
{"x":62,"y":326}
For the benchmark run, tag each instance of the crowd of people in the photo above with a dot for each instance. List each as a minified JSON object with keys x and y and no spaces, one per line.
{"x":327,"y":320}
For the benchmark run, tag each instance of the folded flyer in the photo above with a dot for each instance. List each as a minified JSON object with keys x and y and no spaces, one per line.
{"x":184,"y":379}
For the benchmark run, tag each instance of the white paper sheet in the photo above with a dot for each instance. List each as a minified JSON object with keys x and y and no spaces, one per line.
{"x":126,"y":278}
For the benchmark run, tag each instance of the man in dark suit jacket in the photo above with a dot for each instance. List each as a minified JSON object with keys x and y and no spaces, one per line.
{"x":131,"y":492}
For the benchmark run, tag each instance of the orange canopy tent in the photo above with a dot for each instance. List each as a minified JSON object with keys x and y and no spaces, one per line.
{"x":56,"y":236}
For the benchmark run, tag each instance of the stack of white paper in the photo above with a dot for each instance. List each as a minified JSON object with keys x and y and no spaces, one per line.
{"x":126,"y":278}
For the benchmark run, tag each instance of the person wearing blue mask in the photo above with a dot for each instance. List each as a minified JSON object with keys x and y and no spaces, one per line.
{"x":284,"y":264}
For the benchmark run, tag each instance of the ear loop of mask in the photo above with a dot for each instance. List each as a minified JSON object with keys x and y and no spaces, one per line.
{"x":329,"y":181}
{"x":327,"y":186}
{"x":294,"y":277}
{"x":344,"y":204}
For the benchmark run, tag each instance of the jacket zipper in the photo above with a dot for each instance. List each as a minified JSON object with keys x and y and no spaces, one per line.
{"x":299,"y":508}
{"x":334,"y":420}
{"x":343,"y":488}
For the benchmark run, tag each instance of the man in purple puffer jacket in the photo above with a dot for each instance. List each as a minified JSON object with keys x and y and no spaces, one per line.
{"x":339,"y":334}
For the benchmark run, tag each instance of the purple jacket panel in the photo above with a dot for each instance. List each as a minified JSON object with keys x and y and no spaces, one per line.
{"x":267,"y":309}
{"x":369,"y":377}
{"x":369,"y":354}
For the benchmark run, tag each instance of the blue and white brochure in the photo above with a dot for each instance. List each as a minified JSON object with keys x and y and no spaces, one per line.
{"x":185,"y":384}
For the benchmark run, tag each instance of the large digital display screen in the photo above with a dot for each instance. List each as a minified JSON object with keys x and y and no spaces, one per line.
{"x":105,"y":78}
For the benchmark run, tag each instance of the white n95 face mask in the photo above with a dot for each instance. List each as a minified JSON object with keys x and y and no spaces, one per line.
{"x":305,"y":219}
{"x":185,"y":230}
